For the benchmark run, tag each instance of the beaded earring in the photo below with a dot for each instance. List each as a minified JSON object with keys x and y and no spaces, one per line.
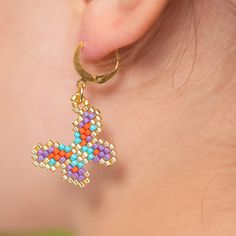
{"x":71,"y":160}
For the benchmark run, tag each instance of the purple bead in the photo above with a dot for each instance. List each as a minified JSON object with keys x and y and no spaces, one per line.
{"x":40,"y":152}
{"x":89,"y":138}
{"x":96,"y":159}
{"x":62,"y":159}
{"x":81,"y":125}
{"x":50,"y":149}
{"x":81,"y":171}
{"x":76,"y":175}
{"x":101,"y":154}
{"x":101,"y":148}
{"x":86,"y":120}
{"x":107,"y":157}
{"x":95,"y":146}
{"x":69,"y":167}
{"x":69,"y":173}
{"x":45,"y":153}
{"x":40,"y":158}
{"x":81,"y":177}
{"x":91,"y":116}
{"x":106,"y":150}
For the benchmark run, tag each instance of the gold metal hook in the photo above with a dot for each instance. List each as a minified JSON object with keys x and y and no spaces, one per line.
{"x":78,"y":98}
{"x":86,"y":76}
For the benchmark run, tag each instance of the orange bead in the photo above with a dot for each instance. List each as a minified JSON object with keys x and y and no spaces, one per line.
{"x":75,"y":169}
{"x":57,"y":157}
{"x":56,"y":151}
{"x":87,"y":126}
{"x":81,"y":130}
{"x":68,"y":154}
{"x":51,"y":155}
{"x":83,"y":143}
{"x":96,"y":152}
{"x":87,"y":132}
{"x":62,"y":153}
{"x":83,"y":136}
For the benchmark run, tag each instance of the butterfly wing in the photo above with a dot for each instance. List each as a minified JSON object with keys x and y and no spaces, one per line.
{"x":104,"y":153}
{"x":88,"y":127}
{"x":54,"y":156}
{"x":47,"y":156}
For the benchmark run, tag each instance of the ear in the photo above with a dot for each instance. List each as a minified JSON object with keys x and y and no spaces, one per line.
{"x":111,"y":24}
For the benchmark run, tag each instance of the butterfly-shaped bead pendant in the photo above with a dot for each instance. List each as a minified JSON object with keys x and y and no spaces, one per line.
{"x":71,"y":160}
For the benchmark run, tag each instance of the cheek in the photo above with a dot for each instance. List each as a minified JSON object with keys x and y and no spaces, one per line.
{"x":29,"y":197}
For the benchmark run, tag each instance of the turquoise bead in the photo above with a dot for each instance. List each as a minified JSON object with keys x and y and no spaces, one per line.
{"x":61,"y":147}
{"x":77,"y":140}
{"x":68,"y":149}
{"x":90,"y":150}
{"x":93,"y":127}
{"x":90,"y":156}
{"x":74,"y":157}
{"x":52,"y":162}
{"x":84,"y":149}
{"x":77,"y":135}
{"x":74,"y":163}
{"x":80,"y":164}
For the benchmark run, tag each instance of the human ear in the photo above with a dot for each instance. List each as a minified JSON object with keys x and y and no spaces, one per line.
{"x":111,"y":24}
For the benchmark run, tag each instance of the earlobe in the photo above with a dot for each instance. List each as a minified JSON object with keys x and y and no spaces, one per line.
{"x":107,"y":26}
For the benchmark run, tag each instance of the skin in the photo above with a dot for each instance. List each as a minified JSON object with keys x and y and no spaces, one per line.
{"x":174,"y":133}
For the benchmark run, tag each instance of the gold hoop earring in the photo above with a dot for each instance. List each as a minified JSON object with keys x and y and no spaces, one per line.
{"x":71,"y":160}
{"x":85,"y":75}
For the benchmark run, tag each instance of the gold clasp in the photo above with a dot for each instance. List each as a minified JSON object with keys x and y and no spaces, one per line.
{"x":85,"y":75}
